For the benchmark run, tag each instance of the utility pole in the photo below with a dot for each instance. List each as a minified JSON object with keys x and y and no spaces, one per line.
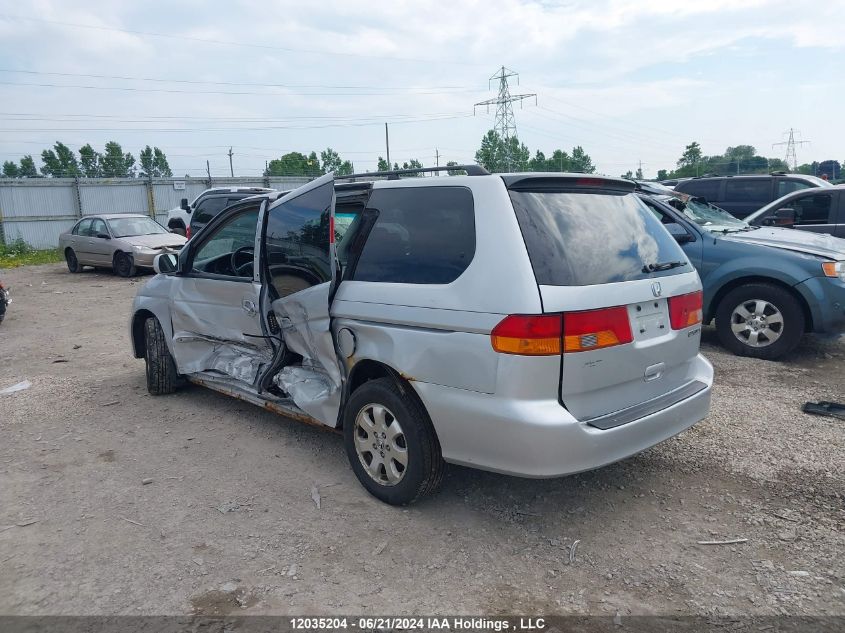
{"x":505,"y":122}
{"x":387,"y":145}
{"x":791,"y":154}
{"x":437,"y":156}
{"x":231,"y":169}
{"x":208,"y":169}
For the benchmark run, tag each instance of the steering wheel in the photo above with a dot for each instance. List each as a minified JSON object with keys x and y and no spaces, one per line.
{"x":242,"y":269}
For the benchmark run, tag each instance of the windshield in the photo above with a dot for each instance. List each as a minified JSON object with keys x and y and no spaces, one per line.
{"x":130,"y":227}
{"x":707,"y":215}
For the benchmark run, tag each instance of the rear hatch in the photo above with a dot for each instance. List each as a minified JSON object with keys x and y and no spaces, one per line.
{"x":628,"y":299}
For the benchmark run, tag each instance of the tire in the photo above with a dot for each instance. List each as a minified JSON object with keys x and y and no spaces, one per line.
{"x":424,"y":465}
{"x":123,"y":265}
{"x":761,"y":312}
{"x":178,"y":229}
{"x":73,"y":264}
{"x":161,"y":370}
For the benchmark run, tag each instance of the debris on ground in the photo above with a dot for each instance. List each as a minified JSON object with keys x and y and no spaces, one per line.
{"x":732,"y":541}
{"x":315,"y":496}
{"x":824,"y":408}
{"x":146,"y":481}
{"x":21,"y":386}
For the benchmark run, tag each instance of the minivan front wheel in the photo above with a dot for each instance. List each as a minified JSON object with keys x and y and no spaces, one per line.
{"x":391,"y":443}
{"x":760,"y":320}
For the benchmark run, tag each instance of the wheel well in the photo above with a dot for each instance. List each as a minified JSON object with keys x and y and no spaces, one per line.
{"x":138,"y":333}
{"x":742,"y":281}
{"x":367,"y":369}
{"x":68,"y":249}
{"x":175,"y":223}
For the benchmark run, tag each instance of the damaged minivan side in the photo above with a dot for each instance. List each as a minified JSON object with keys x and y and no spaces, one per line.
{"x":526,"y":324}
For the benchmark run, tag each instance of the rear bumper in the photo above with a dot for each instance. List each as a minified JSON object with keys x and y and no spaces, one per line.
{"x":539,"y":438}
{"x":826,"y":298}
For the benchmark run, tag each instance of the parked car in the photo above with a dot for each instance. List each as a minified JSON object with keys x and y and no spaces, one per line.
{"x":529,"y":324}
{"x":743,"y":195}
{"x":123,"y":242}
{"x":765,"y":287}
{"x":5,"y":300}
{"x":211,"y":207}
{"x":807,"y":210}
{"x":208,"y":203}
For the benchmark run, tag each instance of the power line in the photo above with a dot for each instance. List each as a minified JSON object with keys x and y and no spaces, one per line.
{"x":286,"y":49}
{"x":790,"y":147}
{"x":505,"y":122}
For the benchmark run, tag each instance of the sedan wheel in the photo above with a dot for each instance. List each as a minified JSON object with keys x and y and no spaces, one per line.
{"x":123,"y":265}
{"x":757,"y":323}
{"x":72,"y":262}
{"x":380,"y":444}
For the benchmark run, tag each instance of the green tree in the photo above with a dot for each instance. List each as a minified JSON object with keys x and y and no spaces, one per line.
{"x":382,"y":164}
{"x":294,"y":164}
{"x":27,"y":168}
{"x":89,"y":161}
{"x":559,"y":161}
{"x":455,"y":172}
{"x":538,"y":162}
{"x":330,"y":160}
{"x":581,"y":161}
{"x":778,"y":164}
{"x":59,"y":162}
{"x":154,"y":163}
{"x":639,"y":174}
{"x":662,"y":174}
{"x":490,"y":154}
{"x":628,"y":174}
{"x":160,"y":164}
{"x":115,"y":164}
{"x":691,"y":156}
{"x":10,"y":169}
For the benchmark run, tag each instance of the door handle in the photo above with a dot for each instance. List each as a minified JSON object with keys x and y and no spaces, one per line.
{"x":249,"y":306}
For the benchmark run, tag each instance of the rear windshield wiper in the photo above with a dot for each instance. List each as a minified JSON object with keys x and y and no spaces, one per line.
{"x":653,"y":268}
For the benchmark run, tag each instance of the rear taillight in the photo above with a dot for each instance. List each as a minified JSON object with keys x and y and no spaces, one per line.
{"x":595,"y":329}
{"x":686,"y":310}
{"x":542,"y":335}
{"x":529,"y":335}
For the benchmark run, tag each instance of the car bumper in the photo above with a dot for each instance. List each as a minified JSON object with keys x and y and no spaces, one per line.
{"x":541,"y":438}
{"x":145,"y":259}
{"x":826,"y":298}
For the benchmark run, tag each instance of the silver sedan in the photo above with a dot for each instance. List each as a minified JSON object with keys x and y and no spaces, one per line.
{"x":121,"y":241}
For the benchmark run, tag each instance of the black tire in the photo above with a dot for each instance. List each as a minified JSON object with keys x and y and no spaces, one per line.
{"x":425,"y":466}
{"x":791,"y":315}
{"x":161,"y":370}
{"x":178,"y":229}
{"x":123,"y":265}
{"x":73,"y":264}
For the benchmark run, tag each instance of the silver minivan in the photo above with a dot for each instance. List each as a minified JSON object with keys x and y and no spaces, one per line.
{"x":530,"y":324}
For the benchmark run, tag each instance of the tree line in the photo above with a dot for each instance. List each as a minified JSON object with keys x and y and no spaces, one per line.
{"x":740,"y":159}
{"x":497,"y":154}
{"x":62,"y":162}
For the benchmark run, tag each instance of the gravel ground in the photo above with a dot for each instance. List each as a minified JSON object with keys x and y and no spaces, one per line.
{"x":228,"y":523}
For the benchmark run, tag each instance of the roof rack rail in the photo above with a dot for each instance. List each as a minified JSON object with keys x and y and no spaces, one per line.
{"x":393,"y":174}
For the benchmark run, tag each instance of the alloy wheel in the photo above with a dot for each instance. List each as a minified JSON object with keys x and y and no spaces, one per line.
{"x":380,"y":444}
{"x":757,"y":323}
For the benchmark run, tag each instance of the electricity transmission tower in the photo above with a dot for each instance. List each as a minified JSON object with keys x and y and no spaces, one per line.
{"x":791,"y":155}
{"x":505,"y":122}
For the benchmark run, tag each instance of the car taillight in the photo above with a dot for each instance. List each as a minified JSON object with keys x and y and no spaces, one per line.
{"x":529,"y":335}
{"x":686,"y":310}
{"x":188,"y":233}
{"x":595,"y":329}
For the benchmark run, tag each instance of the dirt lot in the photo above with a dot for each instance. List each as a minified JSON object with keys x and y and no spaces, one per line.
{"x":228,"y":523}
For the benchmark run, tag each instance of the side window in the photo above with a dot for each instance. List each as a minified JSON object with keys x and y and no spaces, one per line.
{"x":83,"y":228}
{"x":229,"y":250}
{"x":756,"y":190}
{"x":296,"y":244}
{"x":209,"y":208}
{"x":707,"y":189}
{"x":814,"y":209}
{"x":788,"y":186}
{"x":98,"y":227}
{"x":423,"y":235}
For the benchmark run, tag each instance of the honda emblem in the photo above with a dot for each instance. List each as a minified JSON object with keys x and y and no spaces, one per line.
{"x":655,"y":289}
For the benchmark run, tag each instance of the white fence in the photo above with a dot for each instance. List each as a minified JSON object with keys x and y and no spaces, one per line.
{"x":38,"y":210}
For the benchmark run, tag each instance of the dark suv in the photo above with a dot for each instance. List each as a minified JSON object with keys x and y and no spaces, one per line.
{"x":743,"y":195}
{"x":213,"y":203}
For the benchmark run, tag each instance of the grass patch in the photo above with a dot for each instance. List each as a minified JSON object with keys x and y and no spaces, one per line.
{"x":19,"y":253}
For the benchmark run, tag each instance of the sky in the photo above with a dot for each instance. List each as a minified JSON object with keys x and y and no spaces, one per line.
{"x":631,"y":82}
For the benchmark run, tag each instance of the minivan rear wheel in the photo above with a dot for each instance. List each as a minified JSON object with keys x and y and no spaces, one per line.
{"x":161,"y":369}
{"x":760,"y":320}
{"x":391,"y":443}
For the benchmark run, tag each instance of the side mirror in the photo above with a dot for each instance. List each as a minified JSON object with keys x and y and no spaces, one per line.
{"x":184,"y":205}
{"x":103,"y":236}
{"x":165,"y":263}
{"x":678,"y":232}
{"x":784,"y":216}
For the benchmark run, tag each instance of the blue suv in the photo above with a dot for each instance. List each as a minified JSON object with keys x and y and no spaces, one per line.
{"x":764,"y":286}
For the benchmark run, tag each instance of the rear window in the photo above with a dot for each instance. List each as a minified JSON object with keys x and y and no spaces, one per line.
{"x":581,"y":239}
{"x":757,"y":191}
{"x":207,"y":209}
